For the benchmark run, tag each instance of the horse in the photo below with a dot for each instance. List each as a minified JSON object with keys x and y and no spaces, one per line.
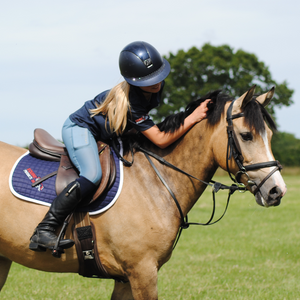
{"x":136,"y":235}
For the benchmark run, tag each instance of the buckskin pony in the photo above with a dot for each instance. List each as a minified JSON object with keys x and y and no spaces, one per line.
{"x":135,"y":237}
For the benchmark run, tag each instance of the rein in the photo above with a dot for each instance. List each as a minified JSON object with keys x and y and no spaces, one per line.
{"x":216,"y":186}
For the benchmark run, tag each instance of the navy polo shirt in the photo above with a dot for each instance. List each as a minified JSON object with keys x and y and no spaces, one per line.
{"x":137,"y":117}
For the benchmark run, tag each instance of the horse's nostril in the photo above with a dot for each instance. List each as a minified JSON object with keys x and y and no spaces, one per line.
{"x":275,"y":192}
{"x":275,"y":196}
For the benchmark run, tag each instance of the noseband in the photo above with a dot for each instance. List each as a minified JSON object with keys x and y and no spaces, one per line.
{"x":234,"y":150}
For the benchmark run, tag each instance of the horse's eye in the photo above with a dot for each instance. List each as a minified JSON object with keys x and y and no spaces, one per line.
{"x":247,"y":136}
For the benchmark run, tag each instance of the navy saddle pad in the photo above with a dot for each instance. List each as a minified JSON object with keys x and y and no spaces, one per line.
{"x":28,"y":169}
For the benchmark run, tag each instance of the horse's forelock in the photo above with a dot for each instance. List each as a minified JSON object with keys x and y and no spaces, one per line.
{"x":256,"y":115}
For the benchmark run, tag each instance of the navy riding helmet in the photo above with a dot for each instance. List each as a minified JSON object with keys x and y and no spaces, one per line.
{"x":142,"y":65}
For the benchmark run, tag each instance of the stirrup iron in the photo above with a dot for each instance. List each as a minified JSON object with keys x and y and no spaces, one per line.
{"x":57,"y":250}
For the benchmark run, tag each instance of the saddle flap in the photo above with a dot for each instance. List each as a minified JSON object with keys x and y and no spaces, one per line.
{"x":66,"y":173}
{"x":113,"y":171}
{"x":104,"y":156}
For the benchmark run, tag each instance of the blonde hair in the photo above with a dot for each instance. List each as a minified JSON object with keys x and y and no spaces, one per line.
{"x":115,"y":108}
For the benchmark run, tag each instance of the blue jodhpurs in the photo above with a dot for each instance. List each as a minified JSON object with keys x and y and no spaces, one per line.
{"x":83,"y":151}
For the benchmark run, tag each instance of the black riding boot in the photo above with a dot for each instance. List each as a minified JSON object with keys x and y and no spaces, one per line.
{"x":64,"y":204}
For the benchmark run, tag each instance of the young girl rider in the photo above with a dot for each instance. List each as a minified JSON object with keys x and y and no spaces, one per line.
{"x":123,"y":107}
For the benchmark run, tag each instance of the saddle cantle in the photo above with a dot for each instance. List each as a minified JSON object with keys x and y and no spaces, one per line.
{"x":46,"y":147}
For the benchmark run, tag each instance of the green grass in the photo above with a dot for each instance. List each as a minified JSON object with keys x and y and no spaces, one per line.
{"x":252,"y":253}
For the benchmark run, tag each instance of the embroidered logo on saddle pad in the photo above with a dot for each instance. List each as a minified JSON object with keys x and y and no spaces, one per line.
{"x":29,"y":169}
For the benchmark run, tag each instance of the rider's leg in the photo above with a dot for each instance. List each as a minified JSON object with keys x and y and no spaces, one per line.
{"x":61,"y":207}
{"x":83,"y":152}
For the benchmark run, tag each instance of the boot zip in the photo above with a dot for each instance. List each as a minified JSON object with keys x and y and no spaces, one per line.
{"x":71,"y":189}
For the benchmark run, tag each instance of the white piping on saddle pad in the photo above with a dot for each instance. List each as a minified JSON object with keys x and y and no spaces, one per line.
{"x":48,"y":204}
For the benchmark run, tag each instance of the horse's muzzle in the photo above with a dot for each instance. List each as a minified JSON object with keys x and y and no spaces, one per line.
{"x":273,"y":198}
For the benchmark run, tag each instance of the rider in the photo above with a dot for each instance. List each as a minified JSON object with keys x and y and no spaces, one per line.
{"x":112,"y":112}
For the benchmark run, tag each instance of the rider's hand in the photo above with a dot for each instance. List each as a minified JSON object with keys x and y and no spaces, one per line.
{"x":200,"y":112}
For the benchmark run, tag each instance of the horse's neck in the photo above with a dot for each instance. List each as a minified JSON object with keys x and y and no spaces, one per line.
{"x":193,"y":154}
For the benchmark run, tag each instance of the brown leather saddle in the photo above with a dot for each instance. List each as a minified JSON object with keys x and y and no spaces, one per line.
{"x":46,"y":147}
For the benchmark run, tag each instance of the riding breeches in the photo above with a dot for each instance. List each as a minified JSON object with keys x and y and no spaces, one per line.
{"x":83,"y":151}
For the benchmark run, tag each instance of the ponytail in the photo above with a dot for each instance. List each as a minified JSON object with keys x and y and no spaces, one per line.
{"x":115,"y":108}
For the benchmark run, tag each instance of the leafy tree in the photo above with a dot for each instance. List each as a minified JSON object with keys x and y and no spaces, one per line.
{"x":286,"y":148}
{"x":198,"y":71}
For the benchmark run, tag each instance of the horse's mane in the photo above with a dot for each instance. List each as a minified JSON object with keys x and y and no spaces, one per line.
{"x":215,"y":109}
{"x":255,"y":115}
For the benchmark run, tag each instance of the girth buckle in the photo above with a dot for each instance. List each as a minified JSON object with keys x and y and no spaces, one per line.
{"x":88,"y":254}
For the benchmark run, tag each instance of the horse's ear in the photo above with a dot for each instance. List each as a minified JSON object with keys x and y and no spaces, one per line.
{"x":265,"y":99}
{"x":245,"y":98}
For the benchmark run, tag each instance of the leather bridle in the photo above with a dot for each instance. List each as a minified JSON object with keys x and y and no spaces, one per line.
{"x":234,"y":150}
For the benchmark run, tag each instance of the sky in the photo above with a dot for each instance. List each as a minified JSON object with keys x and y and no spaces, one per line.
{"x":55,"y":55}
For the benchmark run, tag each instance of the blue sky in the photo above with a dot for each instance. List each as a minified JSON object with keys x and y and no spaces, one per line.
{"x":55,"y":55}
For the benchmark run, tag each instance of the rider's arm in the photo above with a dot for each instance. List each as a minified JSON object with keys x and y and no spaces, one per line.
{"x":163,"y":140}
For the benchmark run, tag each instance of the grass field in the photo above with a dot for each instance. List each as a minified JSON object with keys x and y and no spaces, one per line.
{"x":252,"y":253}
